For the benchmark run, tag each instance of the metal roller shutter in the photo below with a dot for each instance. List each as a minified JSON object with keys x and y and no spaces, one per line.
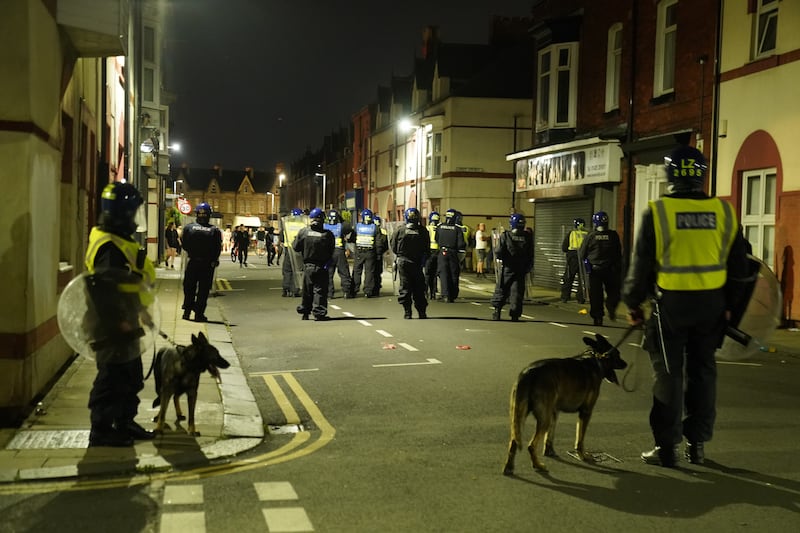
{"x":552,"y":221}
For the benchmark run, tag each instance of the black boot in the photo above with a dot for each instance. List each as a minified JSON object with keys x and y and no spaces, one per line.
{"x":134,"y":430}
{"x":407,"y":311}
{"x":695,"y":453}
{"x":666,"y":456}
{"x":496,"y":314}
{"x":109,"y":436}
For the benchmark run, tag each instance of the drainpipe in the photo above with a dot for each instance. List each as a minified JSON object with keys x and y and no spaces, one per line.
{"x":715,"y":111}
{"x":627,"y":216}
{"x":514,"y":169}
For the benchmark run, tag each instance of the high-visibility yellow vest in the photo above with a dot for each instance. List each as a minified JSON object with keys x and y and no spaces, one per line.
{"x":432,"y":233}
{"x":693,"y":240}
{"x":98,"y":237}
{"x":576,"y":237}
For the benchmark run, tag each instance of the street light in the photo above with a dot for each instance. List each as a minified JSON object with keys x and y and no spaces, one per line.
{"x":324,"y":177}
{"x":281,"y":178}
{"x":272,"y":209}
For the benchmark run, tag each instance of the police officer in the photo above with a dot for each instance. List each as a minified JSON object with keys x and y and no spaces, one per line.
{"x":571,"y":246}
{"x":602,"y":254}
{"x":381,"y":247}
{"x":411,"y":245}
{"x":341,"y":231}
{"x":367,"y":240}
{"x":203,"y":242}
{"x":450,"y":239}
{"x":687,"y":258}
{"x":431,"y":268}
{"x":291,"y":227}
{"x":316,"y":245}
{"x":120,"y":275}
{"x":515,"y":250}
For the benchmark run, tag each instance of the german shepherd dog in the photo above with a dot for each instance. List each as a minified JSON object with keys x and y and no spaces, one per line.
{"x":177,"y":371}
{"x":568,"y":385}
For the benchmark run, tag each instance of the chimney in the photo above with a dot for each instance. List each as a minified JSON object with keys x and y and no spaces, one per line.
{"x":430,"y":38}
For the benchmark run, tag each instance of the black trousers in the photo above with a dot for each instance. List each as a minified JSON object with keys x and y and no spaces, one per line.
{"x":604,"y":290}
{"x":573,"y":270}
{"x":432,"y":273}
{"x":366,"y":262}
{"x":412,"y":285}
{"x":242,"y":253}
{"x":510,"y":288}
{"x":114,"y":395}
{"x":315,"y":291}
{"x":449,"y":268}
{"x":288,"y":274}
{"x":685,"y":386}
{"x":196,"y":284}
{"x":340,"y":265}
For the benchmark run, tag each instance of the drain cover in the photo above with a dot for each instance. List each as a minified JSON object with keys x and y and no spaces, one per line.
{"x":41,"y":440}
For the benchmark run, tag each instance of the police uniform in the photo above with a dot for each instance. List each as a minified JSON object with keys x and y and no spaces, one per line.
{"x":367,"y":238}
{"x":203,"y":244}
{"x":603,"y":251}
{"x":450,"y":239}
{"x":571,"y":246}
{"x":688,"y":252}
{"x":431,"y":266}
{"x":515,"y":250}
{"x":119,"y":271}
{"x":411,"y":245}
{"x":316,"y":245}
{"x":340,"y":230}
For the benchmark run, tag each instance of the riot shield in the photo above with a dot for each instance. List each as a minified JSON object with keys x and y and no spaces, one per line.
{"x":752,"y":326}
{"x":291,"y":226}
{"x":96,"y":317}
{"x":389,"y":258}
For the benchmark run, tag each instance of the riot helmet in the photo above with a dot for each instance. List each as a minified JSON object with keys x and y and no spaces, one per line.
{"x":378,"y":221}
{"x":366,"y":216}
{"x":202,"y":213}
{"x":686,"y":169}
{"x":333,"y":217}
{"x":317,"y":217}
{"x":412,"y":215}
{"x":579,"y":223}
{"x":449,"y":216}
{"x":433,"y":218}
{"x":517,"y":221}
{"x":119,"y":203}
{"x":297,"y":212}
{"x":600,"y":220}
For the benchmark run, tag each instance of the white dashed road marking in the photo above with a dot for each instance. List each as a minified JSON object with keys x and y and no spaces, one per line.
{"x":183,"y":494}
{"x":287,"y":519}
{"x":384,"y":333}
{"x":334,"y":306}
{"x":275,"y":491}
{"x":364,"y":323}
{"x":348,"y":313}
{"x":430,"y":361}
{"x":407,"y":347}
{"x":182,"y":522}
{"x":559,"y":325}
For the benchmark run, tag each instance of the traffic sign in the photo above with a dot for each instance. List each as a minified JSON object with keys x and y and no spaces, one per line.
{"x":184,"y":207}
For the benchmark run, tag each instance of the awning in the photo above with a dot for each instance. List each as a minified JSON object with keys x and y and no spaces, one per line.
{"x":250,"y":222}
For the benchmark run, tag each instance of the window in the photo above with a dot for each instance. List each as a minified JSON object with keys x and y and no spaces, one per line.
{"x":149,"y":45}
{"x":666,"y":36}
{"x":557,"y":86}
{"x":766,"y":21}
{"x":613,"y":66}
{"x":433,"y":154}
{"x":758,"y":212}
{"x":148,"y":93}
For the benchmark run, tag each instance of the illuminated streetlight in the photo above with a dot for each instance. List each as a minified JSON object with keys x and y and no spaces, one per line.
{"x":281,"y":179}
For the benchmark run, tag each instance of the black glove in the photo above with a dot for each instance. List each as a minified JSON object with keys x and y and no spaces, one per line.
{"x":635,"y":316}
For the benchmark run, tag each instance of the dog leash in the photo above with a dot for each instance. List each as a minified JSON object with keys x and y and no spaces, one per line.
{"x":153,"y":360}
{"x":630,"y":366}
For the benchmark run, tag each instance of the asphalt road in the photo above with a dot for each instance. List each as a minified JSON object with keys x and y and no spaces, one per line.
{"x":384,"y":424}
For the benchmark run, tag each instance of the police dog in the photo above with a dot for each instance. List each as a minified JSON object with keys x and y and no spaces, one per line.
{"x":551,"y":385}
{"x":177,"y":371}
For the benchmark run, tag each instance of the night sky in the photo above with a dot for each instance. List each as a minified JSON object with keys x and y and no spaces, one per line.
{"x":258,"y":81}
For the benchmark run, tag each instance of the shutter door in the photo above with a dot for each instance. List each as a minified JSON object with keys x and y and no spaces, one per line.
{"x":552,"y":222}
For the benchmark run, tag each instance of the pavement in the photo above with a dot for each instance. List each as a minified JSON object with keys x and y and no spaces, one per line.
{"x":52,"y":443}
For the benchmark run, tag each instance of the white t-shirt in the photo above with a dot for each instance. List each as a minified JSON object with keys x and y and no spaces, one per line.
{"x":481,"y":244}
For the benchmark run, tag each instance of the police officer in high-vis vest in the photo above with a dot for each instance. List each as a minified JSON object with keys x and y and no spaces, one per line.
{"x":341,"y":230}
{"x":571,"y":246}
{"x":431,"y":268}
{"x":367,"y":238}
{"x":120,"y":276}
{"x":689,"y":258}
{"x":203,"y":243}
{"x":450,"y":238}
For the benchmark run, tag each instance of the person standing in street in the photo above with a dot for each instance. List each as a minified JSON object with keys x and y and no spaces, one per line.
{"x":341,"y":231}
{"x":481,"y":249}
{"x":173,"y":242}
{"x":601,"y":251}
{"x":515,"y":251}
{"x":411,"y":245}
{"x":367,"y":239}
{"x":203,"y":243}
{"x":242,"y":243}
{"x":431,"y":266}
{"x":690,"y":259}
{"x":571,"y":246}
{"x":120,"y":278}
{"x":316,"y":245}
{"x":450,"y":238}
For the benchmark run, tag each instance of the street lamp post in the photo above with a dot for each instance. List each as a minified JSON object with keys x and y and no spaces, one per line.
{"x":272,"y":209}
{"x":324,"y":177}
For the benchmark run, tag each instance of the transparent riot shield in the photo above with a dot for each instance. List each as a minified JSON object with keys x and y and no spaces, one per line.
{"x":389,"y":258}
{"x":291,"y":226}
{"x":759,"y":317}
{"x":108,"y":315}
